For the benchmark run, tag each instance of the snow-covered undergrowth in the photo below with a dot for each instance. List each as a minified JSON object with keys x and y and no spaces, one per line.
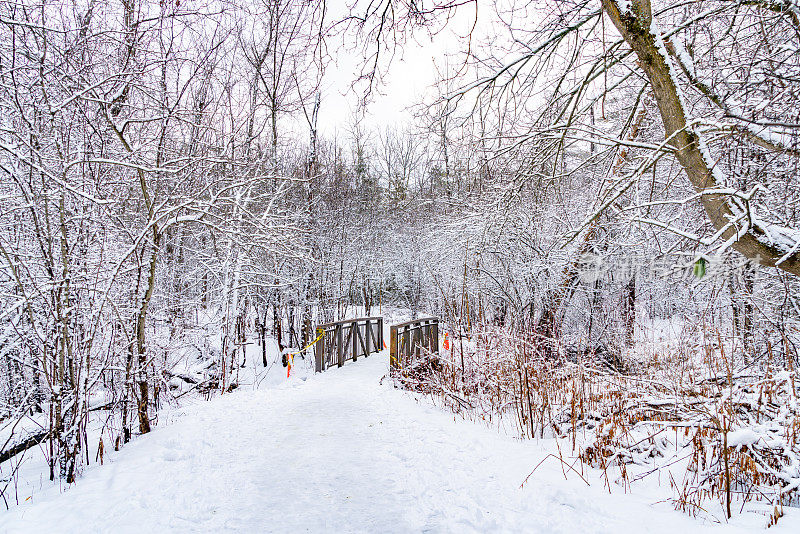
{"x":191,"y":361}
{"x":718,"y":442}
{"x":341,"y":452}
{"x":344,"y":451}
{"x":192,"y":370}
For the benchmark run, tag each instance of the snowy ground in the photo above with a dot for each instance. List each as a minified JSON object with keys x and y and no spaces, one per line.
{"x":339,"y":452}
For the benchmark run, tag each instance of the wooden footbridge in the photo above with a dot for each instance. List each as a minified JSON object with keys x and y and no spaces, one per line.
{"x":342,"y":341}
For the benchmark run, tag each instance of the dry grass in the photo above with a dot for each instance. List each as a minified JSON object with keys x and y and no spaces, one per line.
{"x":722,"y":439}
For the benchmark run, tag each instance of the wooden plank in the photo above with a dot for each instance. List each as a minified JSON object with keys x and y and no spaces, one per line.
{"x":416,"y":322}
{"x":428,"y":337}
{"x":346,"y":343}
{"x":361,"y":339}
{"x":328,"y":326}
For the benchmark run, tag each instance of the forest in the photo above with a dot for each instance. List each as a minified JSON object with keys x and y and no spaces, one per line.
{"x":599,"y":199}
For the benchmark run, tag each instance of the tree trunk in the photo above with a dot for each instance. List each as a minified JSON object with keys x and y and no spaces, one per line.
{"x":634,"y":24}
{"x":549,"y":324}
{"x":141,"y":323}
{"x":629,"y":311}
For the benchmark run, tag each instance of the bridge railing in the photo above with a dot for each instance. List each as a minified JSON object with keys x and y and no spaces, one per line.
{"x":408,"y":340}
{"x":347,"y":340}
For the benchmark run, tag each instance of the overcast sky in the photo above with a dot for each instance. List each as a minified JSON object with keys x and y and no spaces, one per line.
{"x":408,"y":79}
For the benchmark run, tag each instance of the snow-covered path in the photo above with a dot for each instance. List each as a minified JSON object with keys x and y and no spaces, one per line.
{"x":335,"y":453}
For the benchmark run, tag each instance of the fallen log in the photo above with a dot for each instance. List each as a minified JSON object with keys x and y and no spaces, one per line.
{"x":28,"y":443}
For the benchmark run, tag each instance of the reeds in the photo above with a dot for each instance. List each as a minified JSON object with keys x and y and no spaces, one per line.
{"x":681,"y":414}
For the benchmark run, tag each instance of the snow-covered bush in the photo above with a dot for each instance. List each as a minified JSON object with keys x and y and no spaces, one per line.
{"x":722,"y":439}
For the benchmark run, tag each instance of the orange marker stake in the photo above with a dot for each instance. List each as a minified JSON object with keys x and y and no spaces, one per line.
{"x":446,"y":344}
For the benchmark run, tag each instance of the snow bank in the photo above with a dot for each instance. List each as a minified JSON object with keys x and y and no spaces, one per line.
{"x":338,"y":452}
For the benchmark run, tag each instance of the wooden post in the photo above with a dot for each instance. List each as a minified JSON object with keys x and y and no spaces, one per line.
{"x":436,"y":337}
{"x":380,"y":334}
{"x":367,"y":335}
{"x":320,"y":351}
{"x":393,"y":361}
{"x":339,"y":345}
{"x":354,"y":335}
{"x":405,"y":347}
